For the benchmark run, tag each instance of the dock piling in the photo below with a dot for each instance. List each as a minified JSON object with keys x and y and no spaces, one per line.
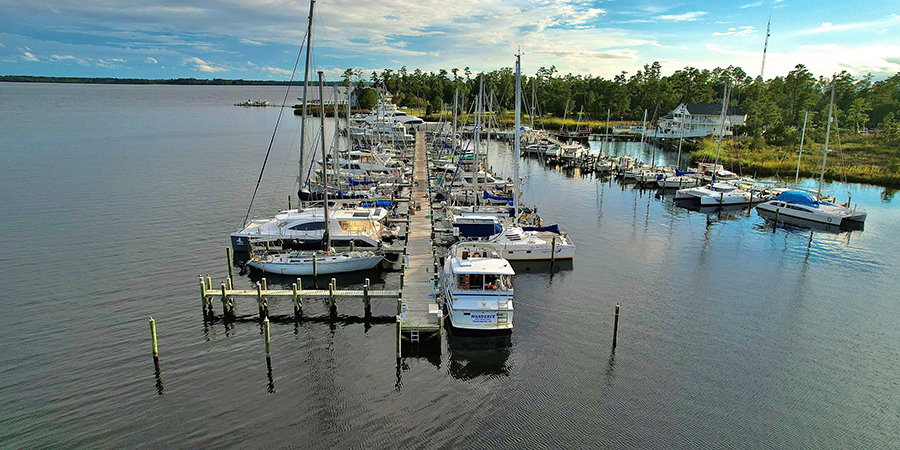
{"x":775,"y":222}
{"x":331,"y":289}
{"x":259,"y":300}
{"x":295,"y":298}
{"x":266,"y":326}
{"x":616,"y":328}
{"x":230,"y":264}
{"x":153,"y":336}
{"x":224,"y":300}
{"x":366,"y":300}
{"x":315,"y":270}
{"x":203,"y":295}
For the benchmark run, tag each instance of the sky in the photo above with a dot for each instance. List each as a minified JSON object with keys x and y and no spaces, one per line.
{"x":260,"y":39}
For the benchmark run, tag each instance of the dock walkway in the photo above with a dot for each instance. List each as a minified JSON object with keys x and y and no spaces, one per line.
{"x":420,"y":309}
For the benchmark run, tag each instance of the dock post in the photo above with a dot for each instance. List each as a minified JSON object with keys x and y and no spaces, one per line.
{"x":268,"y":336}
{"x":259,"y":299}
{"x":366,"y":301}
{"x":775,"y":222}
{"x":299,"y":297}
{"x":352,"y":246}
{"x":399,"y":335}
{"x":203,"y":295}
{"x":224,"y":301}
{"x":228,"y":257}
{"x":616,"y":327}
{"x":294,"y":298}
{"x":289,"y":202}
{"x":331,"y":287}
{"x":553,"y":252}
{"x":315,"y":270}
{"x":153,"y":336}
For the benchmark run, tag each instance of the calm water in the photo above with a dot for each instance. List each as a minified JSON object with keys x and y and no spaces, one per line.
{"x":114,"y":198}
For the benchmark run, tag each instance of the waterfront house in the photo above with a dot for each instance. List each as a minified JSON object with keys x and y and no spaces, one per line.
{"x":698,"y":120}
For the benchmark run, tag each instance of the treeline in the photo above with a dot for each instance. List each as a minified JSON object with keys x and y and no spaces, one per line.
{"x":775,"y":107}
{"x":174,"y":81}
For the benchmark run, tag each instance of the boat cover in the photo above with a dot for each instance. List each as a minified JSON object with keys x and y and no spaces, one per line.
{"x":551,"y":228}
{"x":687,"y":172}
{"x":800,"y":198}
{"x":488,"y":196}
{"x":357,"y":183}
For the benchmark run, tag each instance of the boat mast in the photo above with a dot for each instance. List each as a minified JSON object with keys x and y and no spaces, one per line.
{"x":326,"y":237}
{"x":312,"y":3}
{"x":721,"y":130}
{"x":334,"y":145}
{"x":802,"y":136}
{"x":680,"y":140}
{"x":455,"y":103}
{"x":606,"y":136}
{"x":827,"y":134}
{"x":643,"y":132}
{"x":518,"y":126}
{"x":478,"y":163}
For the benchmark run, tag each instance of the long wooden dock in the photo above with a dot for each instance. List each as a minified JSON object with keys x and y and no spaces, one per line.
{"x":420,"y":309}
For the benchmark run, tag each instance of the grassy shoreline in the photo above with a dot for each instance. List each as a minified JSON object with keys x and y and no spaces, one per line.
{"x":860,"y":159}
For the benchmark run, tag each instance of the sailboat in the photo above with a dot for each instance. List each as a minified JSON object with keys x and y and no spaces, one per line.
{"x":806,"y":206}
{"x":529,"y":243}
{"x":319,"y":262}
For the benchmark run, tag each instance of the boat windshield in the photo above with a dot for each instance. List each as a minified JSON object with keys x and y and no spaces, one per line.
{"x":484,"y":282}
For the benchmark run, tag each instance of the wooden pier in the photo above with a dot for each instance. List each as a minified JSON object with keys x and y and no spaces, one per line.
{"x":419,"y":308}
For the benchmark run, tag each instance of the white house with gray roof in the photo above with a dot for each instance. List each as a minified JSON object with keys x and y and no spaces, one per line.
{"x":697,"y":120}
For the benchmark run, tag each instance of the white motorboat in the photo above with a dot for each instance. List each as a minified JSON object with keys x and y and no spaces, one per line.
{"x":678,"y":181}
{"x":301,"y":263}
{"x":718,"y":194}
{"x":533,"y":244}
{"x":477,"y":285}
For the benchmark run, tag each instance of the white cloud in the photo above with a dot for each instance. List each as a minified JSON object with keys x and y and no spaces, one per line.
{"x":27,"y":56}
{"x":745,"y":31}
{"x":203,"y":66}
{"x":828,"y":27}
{"x":150,"y":60}
{"x":249,"y":41}
{"x":275,"y":70}
{"x":686,"y":17}
{"x":752,"y":5}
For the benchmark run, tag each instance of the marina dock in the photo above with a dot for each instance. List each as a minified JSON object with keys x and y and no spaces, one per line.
{"x":419,"y":308}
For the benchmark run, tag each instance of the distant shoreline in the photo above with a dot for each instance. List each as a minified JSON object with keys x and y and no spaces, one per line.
{"x":169,"y":81}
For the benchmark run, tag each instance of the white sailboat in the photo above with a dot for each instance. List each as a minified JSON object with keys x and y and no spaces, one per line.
{"x":318,"y":262}
{"x":806,"y":206}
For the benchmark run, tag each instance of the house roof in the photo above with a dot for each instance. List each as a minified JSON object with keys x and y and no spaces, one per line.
{"x":712,"y":109}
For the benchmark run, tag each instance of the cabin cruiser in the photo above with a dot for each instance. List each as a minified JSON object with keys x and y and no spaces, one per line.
{"x":477,"y":286}
{"x":805,"y":206}
{"x":305,"y":229}
{"x":719,"y":193}
{"x":533,"y":243}
{"x":387,"y":112}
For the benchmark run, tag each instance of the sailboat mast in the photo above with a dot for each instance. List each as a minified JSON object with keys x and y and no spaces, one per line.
{"x":518,"y":126}
{"x":643,"y":131}
{"x":827,"y":134}
{"x":721,"y":130}
{"x":478,"y":110}
{"x":326,"y":238}
{"x":334,"y":145}
{"x":455,"y":105}
{"x":680,"y":140}
{"x":312,"y":3}
{"x":802,"y":136}
{"x":606,"y":136}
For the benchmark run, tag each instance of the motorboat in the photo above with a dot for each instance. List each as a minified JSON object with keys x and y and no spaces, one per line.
{"x":718,"y":194}
{"x":533,"y":243}
{"x":477,"y":286}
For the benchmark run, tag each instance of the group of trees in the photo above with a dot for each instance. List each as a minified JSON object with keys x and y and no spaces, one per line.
{"x":775,"y":107}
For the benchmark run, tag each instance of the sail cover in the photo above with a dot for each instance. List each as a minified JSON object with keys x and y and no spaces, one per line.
{"x":488,"y":196}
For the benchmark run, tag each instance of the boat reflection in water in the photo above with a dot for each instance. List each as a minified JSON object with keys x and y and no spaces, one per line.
{"x":719,"y":212}
{"x":475,"y":356}
{"x":790,"y":223}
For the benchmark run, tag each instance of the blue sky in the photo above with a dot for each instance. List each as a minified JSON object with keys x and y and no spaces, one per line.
{"x":259,"y":39}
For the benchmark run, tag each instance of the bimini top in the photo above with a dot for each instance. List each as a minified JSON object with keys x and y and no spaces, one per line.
{"x":800,"y":198}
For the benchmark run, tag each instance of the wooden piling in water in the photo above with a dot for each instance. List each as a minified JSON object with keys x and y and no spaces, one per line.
{"x":296,"y":300}
{"x":266,"y":326}
{"x":399,"y":335}
{"x":775,"y":222}
{"x":259,"y":299}
{"x":230,"y":264}
{"x":203,"y":295}
{"x":224,"y":300}
{"x":153,"y":337}
{"x":616,"y":327}
{"x":315,"y":270}
{"x":366,"y":300}
{"x":331,"y":289}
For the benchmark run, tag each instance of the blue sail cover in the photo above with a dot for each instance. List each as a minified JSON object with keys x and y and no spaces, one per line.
{"x":687,"y":172}
{"x":488,"y":196}
{"x":551,"y":228}
{"x":357,"y":183}
{"x":800,"y":198}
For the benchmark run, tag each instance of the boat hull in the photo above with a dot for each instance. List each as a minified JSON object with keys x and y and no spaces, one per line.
{"x":478,"y":313}
{"x":324,"y":266}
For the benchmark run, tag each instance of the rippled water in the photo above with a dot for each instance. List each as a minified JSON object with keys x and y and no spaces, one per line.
{"x":114,"y":198}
